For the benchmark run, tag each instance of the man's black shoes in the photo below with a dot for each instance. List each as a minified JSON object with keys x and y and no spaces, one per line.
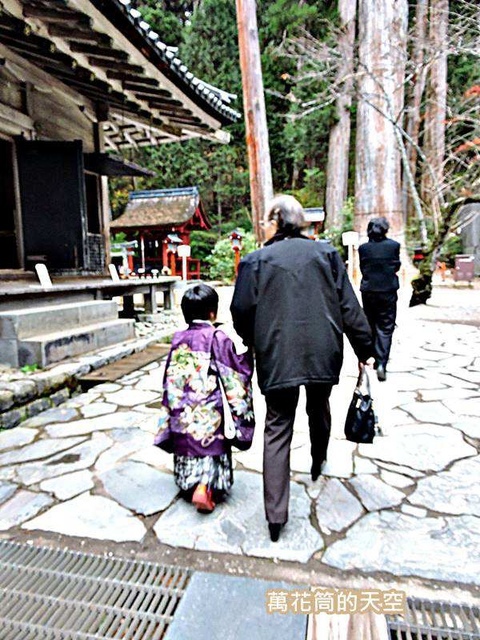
{"x":316,"y":470}
{"x":274,"y":528}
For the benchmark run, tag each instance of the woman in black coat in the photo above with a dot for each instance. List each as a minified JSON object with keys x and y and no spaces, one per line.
{"x":379,"y":263}
{"x":293,"y":303}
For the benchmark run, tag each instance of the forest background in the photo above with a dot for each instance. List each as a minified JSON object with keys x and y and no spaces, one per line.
{"x":315,"y":89}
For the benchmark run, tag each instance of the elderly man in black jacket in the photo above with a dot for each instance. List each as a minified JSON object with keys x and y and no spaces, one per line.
{"x":292,"y":303}
{"x":379,"y":263}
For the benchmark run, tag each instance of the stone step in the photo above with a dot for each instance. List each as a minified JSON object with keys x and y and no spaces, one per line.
{"x":45,"y":349}
{"x":24,"y":323}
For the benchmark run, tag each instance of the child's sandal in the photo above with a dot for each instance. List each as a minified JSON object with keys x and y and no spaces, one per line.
{"x":202,"y":499}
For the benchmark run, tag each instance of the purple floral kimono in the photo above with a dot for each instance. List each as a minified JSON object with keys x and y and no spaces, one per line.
{"x":191,"y":420}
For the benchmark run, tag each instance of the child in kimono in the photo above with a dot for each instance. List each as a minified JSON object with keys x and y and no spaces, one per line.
{"x":191,"y":425}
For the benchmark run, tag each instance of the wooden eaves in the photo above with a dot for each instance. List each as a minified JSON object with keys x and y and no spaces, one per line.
{"x":104,"y":51}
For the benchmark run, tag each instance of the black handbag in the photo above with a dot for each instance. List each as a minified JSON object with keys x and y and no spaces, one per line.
{"x":361,"y":424}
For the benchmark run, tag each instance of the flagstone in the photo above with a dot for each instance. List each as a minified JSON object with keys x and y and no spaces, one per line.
{"x":69,"y":485}
{"x":465,"y":374}
{"x":432,"y":354}
{"x":413,"y":382}
{"x":361,"y":465}
{"x":83,"y":400}
{"x":131,"y":397}
{"x":151,"y":382}
{"x":336,"y":507}
{"x":445,"y":378}
{"x":155,"y":457}
{"x":17,"y":437}
{"x":22,"y":506}
{"x":300,"y":458}
{"x":434,"y":412}
{"x":139,"y":487}
{"x":445,"y":548}
{"x":121,"y":419}
{"x":90,"y":516}
{"x":456,"y":491}
{"x":469,"y":426}
{"x":238,"y":525}
{"x":38,"y":450}
{"x":395,"y":468}
{"x":253,"y":458}
{"x":108,"y":387}
{"x":98,"y":409}
{"x":62,"y":414}
{"x":131,"y":377}
{"x":7,"y":489}
{"x":392,"y":419}
{"x":413,"y":447}
{"x":427,"y":395}
{"x":396,"y":479}
{"x":80,"y":457}
{"x":375,"y":494}
{"x":410,"y":510}
{"x":133,"y":440}
{"x":339,"y":462}
{"x":468,"y":407}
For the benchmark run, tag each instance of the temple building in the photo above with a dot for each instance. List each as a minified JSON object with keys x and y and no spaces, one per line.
{"x":81,"y":81}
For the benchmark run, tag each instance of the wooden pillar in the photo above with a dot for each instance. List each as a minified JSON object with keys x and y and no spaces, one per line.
{"x":261,"y":190}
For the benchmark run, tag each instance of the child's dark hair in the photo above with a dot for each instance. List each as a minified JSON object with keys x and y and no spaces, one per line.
{"x":199,"y":302}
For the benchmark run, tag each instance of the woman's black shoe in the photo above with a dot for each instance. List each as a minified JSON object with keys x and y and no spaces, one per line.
{"x":274,"y":529}
{"x":381,"y":373}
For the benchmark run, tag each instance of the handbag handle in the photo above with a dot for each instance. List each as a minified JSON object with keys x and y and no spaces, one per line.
{"x":363,"y":377}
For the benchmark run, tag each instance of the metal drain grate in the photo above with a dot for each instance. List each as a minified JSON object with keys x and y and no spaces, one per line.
{"x":51,"y":594}
{"x":435,"y":620}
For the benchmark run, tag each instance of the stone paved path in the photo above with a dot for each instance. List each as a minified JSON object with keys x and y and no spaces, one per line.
{"x":407,"y":505}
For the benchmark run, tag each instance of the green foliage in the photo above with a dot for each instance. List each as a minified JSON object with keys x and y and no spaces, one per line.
{"x":334,"y":234}
{"x":119,"y":189}
{"x":29,"y":368}
{"x":206,"y":33}
{"x":166,"y":18}
{"x":202,"y":244}
{"x":311,"y":194}
{"x":451,"y":247}
{"x":118,"y":238}
{"x":222,"y":259}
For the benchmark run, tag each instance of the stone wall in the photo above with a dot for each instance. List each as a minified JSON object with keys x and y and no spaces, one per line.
{"x":23,"y":395}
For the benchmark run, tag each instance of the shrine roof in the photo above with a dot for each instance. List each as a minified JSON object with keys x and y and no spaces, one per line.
{"x":162,"y":208}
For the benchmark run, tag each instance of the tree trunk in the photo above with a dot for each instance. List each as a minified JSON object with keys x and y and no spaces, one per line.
{"x":435,"y":111}
{"x":382,"y":54}
{"x":261,"y":189}
{"x":339,"y":141}
{"x":413,"y":113}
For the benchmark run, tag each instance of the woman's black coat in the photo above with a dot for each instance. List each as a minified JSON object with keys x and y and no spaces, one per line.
{"x":293,"y":302}
{"x":379,"y":263}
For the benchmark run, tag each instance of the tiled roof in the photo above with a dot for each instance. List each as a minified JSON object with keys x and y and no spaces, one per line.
{"x":216,"y":98}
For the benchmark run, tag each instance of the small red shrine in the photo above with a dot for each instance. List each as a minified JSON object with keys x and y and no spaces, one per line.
{"x":161,"y":220}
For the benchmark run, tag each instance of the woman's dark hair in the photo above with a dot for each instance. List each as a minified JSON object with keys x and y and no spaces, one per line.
{"x":377,"y":228}
{"x":199,"y":302}
{"x":287,"y":213}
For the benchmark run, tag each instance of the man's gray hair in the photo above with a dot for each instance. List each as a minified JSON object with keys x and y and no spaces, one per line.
{"x":287,"y":213}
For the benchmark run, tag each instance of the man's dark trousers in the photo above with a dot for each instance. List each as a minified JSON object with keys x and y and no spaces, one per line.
{"x":281,"y":406}
{"x":381,"y":310}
